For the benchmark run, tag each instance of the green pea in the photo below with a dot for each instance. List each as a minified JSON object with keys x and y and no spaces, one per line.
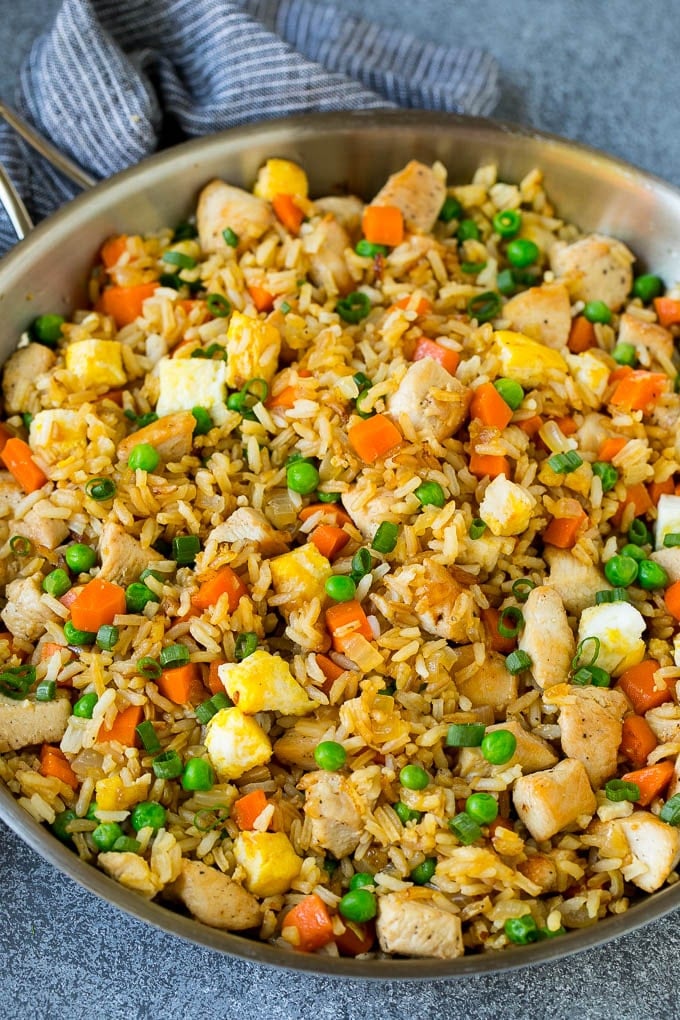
{"x":482,"y":807}
{"x":358,"y":905}
{"x":149,"y":813}
{"x":137,"y":595}
{"x":597,"y":311}
{"x":57,"y":583}
{"x":204,"y":422}
{"x":633,"y":551}
{"x":84,"y":706}
{"x":143,"y":457}
{"x":46,"y":329}
{"x":625,"y":354}
{"x":468,"y":231}
{"x":647,"y":287}
{"x":521,"y":252}
{"x":498,"y":746}
{"x":340,"y":588}
{"x":80,"y":558}
{"x":450,"y":210}
{"x":60,"y":823}
{"x":521,"y":930}
{"x":406,"y":814}
{"x":507,"y":222}
{"x":330,"y":755}
{"x":361,"y":879}
{"x":430,"y":494}
{"x":198,"y":774}
{"x":422,"y":873}
{"x":506,"y":282}
{"x":414,"y":777}
{"x":78,"y":637}
{"x":511,"y":392}
{"x":105,"y":835}
{"x":302,"y":477}
{"x":652,"y":575}
{"x":621,"y":571}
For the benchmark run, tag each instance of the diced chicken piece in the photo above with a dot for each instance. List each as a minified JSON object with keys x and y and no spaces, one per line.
{"x":619,"y":627}
{"x":432,"y":399}
{"x":590,"y":722}
{"x":532,"y":752}
{"x":669,"y":559}
{"x":185,"y":383}
{"x":28,"y":722}
{"x":491,"y":684}
{"x":57,"y":433}
{"x":418,"y":191}
{"x":506,"y":508}
{"x":132,"y":871}
{"x":22,"y":371}
{"x":485,"y":551}
{"x":550,"y":801}
{"x":595,"y":268}
{"x":348,"y":210}
{"x":325,"y":246}
{"x":246,"y":525}
{"x":11,"y":494}
{"x":541,"y":870}
{"x":253,"y":348}
{"x":441,"y":604}
{"x":547,"y":637}
{"x":263,"y":682}
{"x":48,"y":532}
{"x":413,"y":928}
{"x":122,"y":556}
{"x":268,"y":860}
{"x":171,"y":437}
{"x":25,"y":614}
{"x":335,"y":810}
{"x":646,"y":335}
{"x":235,"y":743}
{"x":214,"y":898}
{"x":664,"y":722}
{"x":368,"y":513}
{"x":574,"y":581}
{"x":222,"y":206}
{"x":653,"y":844}
{"x":542,"y":313}
{"x":300,"y":575}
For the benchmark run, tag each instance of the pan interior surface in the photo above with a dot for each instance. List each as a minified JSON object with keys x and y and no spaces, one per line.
{"x":342,"y":153}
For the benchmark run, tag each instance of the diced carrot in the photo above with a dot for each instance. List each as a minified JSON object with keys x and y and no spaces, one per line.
{"x":69,"y":597}
{"x":223,"y":582}
{"x":567,"y":425}
{"x":18,"y":459}
{"x":581,"y":335}
{"x":48,"y":649}
{"x":344,"y":620}
{"x":488,"y":406}
{"x":672,"y":599}
{"x":656,"y":489}
{"x":179,"y":684}
{"x":96,"y":604}
{"x":313,"y":922}
{"x":483,"y":464}
{"x":262,"y":299}
{"x":639,"y":686}
{"x":247,"y":809}
{"x":638,"y":497}
{"x":637,"y":740}
{"x":651,"y":780}
{"x":497,"y":642}
{"x":422,"y":308}
{"x":124,"y":727}
{"x":330,"y":669}
{"x":288,"y":212}
{"x":383,"y":224}
{"x":610,"y":447}
{"x":112,"y":249}
{"x":374,"y":437}
{"x":667,"y":310}
{"x":214,"y":684}
{"x":5,"y":434}
{"x":447,"y":358}
{"x":286,"y":398}
{"x":329,"y":540}
{"x":124,"y":304}
{"x":53,"y":762}
{"x":356,"y":938}
{"x":619,"y":373}
{"x":331,"y":510}
{"x":562,"y":532}
{"x":531,"y":425}
{"x":638,"y":390}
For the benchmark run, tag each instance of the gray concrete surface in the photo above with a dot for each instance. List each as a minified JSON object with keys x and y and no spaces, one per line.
{"x":605,"y":73}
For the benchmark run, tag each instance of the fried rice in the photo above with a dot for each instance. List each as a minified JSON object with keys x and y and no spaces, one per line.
{"x":340,"y":553}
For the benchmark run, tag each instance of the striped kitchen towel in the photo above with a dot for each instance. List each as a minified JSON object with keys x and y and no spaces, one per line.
{"x":114,"y":80}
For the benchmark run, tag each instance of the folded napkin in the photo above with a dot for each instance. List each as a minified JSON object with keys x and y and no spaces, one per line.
{"x":114,"y":80}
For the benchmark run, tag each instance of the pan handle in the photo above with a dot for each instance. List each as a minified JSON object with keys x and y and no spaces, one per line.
{"x":14,"y":206}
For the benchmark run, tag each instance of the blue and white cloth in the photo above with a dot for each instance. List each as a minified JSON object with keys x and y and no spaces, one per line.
{"x":114,"y":80}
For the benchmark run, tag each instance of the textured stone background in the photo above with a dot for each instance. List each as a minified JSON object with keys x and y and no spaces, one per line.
{"x":603,"y":73}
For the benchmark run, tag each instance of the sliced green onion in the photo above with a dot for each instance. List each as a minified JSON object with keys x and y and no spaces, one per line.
{"x":619,"y":789}
{"x":593,"y":676}
{"x":465,"y":828}
{"x":521,"y":588}
{"x":218,"y":306}
{"x":148,"y":736}
{"x":245,"y":645}
{"x":465,"y":734}
{"x":368,"y":250}
{"x":211,"y":818}
{"x":517,"y":662}
{"x":581,"y":653}
{"x":20,"y":545}
{"x":670,"y":812}
{"x":15,"y":681}
{"x":167,"y":765}
{"x":204,"y":422}
{"x":185,"y":549}
{"x":565,"y":463}
{"x":515,"y":616}
{"x":353,"y":308}
{"x":362,"y":381}
{"x":611,"y":595}
{"x":126,"y":845}
{"x":207,"y":709}
{"x":608,"y":474}
{"x":638,"y":533}
{"x":284,"y":308}
{"x":107,"y":636}
{"x":362,"y":405}
{"x":46,"y":690}
{"x":477,"y":528}
{"x":230,"y":237}
{"x":467,"y":230}
{"x":185,"y":231}
{"x":507,"y":222}
{"x":671,"y":540}
{"x":100,"y":489}
{"x":484,"y":307}
{"x":472,"y":268}
{"x":171,"y":280}
{"x":362,"y":562}
{"x":174,"y":655}
{"x":149,"y":667}
{"x":385,"y":538}
{"x":178,"y":258}
{"x":506,"y":282}
{"x":450,"y":210}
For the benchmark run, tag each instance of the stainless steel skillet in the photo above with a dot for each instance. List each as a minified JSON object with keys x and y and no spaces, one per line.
{"x":344,"y":151}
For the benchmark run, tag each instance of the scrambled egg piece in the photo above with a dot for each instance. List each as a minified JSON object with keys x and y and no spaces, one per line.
{"x":269,"y":861}
{"x":96,"y":362}
{"x":264,"y":683}
{"x":667,"y":518}
{"x":300,"y":574}
{"x":280,"y":177}
{"x":527,"y":361}
{"x":253,"y":348}
{"x":591,"y":375}
{"x":113,"y":795}
{"x":507,"y":507}
{"x":58,"y":433}
{"x":619,"y":627}
{"x":190,"y":382}
{"x":235,"y":743}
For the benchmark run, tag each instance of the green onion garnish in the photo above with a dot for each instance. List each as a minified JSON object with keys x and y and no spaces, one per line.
{"x":218,"y":305}
{"x":385,"y":538}
{"x":362,"y":562}
{"x":20,"y":545}
{"x":465,"y":734}
{"x":178,"y":258}
{"x":167,"y":765}
{"x":465,"y":828}
{"x":517,"y":662}
{"x":16,"y":680}
{"x":521,"y":588}
{"x":149,"y":667}
{"x":211,"y":818}
{"x":611,"y":595}
{"x":174,"y":655}
{"x":620,"y":789}
{"x":510,"y":622}
{"x":484,"y":307}
{"x":353,"y":308}
{"x":565,"y":463}
{"x":100,"y":489}
{"x":46,"y":690}
{"x":245,"y":645}
{"x":671,"y":540}
{"x":670,"y":812}
{"x":107,"y":636}
{"x":607,"y":474}
{"x":582,"y":654}
{"x":148,"y":736}
{"x":230,"y":237}
{"x":185,"y":548}
{"x":204,"y":422}
{"x":477,"y":528}
{"x":207,"y":709}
